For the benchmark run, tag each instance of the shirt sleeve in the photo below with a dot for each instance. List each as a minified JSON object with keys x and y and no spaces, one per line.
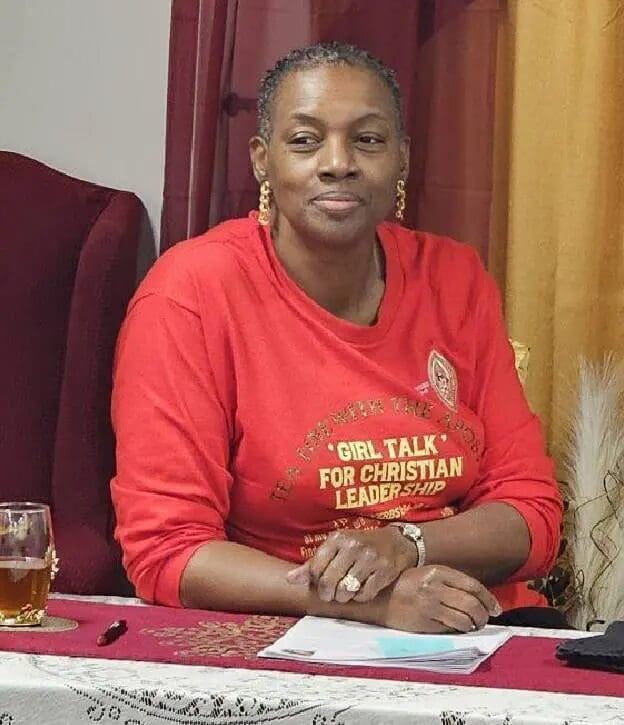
{"x":172,"y":486}
{"x":514,"y":467}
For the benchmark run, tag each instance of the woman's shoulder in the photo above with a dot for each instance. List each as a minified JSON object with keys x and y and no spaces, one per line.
{"x":211,"y":261}
{"x":438,"y":261}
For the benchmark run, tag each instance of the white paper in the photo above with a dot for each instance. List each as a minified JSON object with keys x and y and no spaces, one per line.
{"x":338,"y":641}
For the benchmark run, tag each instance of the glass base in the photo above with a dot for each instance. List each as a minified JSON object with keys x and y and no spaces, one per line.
{"x":26,"y":617}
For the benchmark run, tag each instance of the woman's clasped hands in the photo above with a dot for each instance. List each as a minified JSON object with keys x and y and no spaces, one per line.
{"x":378,"y":568}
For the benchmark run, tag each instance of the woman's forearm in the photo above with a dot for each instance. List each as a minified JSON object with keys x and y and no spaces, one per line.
{"x":227,"y":576}
{"x":489,"y":542}
{"x":223,"y":575}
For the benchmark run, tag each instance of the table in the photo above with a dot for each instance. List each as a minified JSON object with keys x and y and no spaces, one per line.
{"x":68,"y":691}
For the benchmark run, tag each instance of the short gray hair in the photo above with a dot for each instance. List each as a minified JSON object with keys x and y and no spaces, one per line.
{"x":314,"y":56}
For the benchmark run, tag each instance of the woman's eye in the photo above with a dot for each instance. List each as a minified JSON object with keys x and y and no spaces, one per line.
{"x":303,"y":141}
{"x":370,"y":140}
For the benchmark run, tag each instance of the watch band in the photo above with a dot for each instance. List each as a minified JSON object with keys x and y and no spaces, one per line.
{"x":415,"y":535}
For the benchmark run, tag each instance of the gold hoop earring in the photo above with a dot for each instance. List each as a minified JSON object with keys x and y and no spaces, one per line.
{"x":264,"y":205}
{"x":399,"y":211}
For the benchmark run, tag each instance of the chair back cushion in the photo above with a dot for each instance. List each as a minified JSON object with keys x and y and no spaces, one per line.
{"x":67,"y":270}
{"x":44,"y":219}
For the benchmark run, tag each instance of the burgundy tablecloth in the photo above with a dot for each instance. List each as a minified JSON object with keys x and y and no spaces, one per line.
{"x":195,"y":637}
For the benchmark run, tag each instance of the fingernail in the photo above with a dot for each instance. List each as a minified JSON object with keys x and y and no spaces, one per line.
{"x":498,"y":610}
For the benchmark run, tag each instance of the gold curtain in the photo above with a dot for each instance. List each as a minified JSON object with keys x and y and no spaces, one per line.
{"x":557,"y":231}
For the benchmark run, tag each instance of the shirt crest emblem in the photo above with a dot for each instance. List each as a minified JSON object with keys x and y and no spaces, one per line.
{"x":443,"y":379}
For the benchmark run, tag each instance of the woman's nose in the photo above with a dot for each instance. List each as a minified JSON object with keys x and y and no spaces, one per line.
{"x":336,"y":159}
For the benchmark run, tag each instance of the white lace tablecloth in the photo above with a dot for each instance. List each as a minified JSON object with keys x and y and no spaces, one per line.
{"x":66,"y":691}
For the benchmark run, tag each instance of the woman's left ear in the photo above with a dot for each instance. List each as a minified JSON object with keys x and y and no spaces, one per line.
{"x":258,"y":156}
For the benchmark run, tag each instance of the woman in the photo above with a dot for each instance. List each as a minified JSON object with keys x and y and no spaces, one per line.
{"x":317,"y":411}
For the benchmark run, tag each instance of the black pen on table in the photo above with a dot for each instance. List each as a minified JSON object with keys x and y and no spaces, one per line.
{"x":112,"y":633}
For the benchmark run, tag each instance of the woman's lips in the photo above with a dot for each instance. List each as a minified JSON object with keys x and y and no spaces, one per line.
{"x":337,"y":203}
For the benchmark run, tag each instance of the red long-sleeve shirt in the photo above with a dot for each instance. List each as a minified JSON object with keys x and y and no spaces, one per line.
{"x":245,"y":411}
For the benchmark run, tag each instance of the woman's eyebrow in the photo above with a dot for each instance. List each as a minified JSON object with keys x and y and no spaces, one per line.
{"x":302,"y":117}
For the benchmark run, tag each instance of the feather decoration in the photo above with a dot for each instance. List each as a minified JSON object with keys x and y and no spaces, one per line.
{"x":594,"y":471}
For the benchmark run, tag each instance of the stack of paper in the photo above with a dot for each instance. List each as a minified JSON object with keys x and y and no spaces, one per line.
{"x":337,"y":641}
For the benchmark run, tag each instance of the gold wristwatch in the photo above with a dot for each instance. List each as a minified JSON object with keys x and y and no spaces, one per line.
{"x":415,"y":535}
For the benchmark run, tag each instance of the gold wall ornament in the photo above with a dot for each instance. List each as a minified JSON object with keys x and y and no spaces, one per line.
{"x":264,"y":205}
{"x":399,"y":212}
{"x":521,"y":356}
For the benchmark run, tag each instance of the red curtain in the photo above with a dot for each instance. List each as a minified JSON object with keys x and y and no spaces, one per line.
{"x":444,"y":52}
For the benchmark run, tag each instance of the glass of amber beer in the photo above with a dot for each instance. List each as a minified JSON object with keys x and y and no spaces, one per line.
{"x":27,"y":562}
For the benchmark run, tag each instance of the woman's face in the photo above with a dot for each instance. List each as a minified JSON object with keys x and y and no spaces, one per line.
{"x":334,"y":156}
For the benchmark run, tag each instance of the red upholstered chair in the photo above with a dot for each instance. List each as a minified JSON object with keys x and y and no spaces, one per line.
{"x":67,"y":270}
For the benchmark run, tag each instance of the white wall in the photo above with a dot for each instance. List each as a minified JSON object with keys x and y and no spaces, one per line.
{"x":83,"y":87}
